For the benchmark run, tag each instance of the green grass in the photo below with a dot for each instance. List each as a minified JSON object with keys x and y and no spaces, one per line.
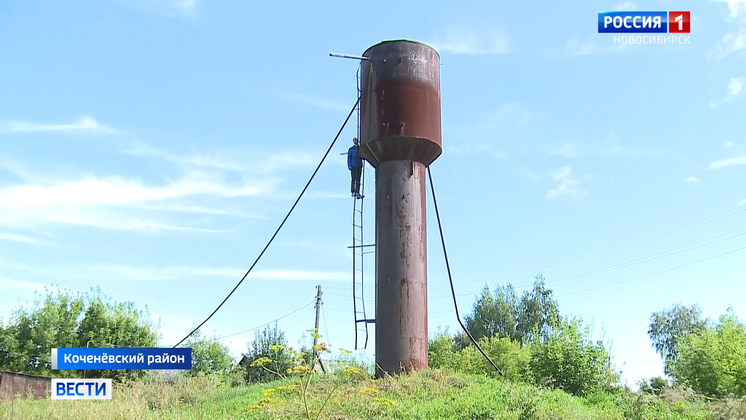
{"x":427,"y":395}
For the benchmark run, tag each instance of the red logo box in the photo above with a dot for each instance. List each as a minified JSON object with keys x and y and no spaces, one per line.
{"x":678,"y":22}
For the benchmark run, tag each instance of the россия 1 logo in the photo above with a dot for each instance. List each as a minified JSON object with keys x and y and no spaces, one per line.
{"x":646,"y":22}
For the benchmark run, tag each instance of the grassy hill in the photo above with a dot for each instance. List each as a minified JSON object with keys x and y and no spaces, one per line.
{"x":432,"y":395}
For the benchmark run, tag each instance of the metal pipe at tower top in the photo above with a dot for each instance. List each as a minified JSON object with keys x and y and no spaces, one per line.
{"x":400,"y":137}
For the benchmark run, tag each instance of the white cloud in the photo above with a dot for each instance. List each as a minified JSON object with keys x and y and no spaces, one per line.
{"x":82,"y":123}
{"x":468,"y":40}
{"x":7,"y":283}
{"x":117,"y":203}
{"x":317,"y":102}
{"x":692,"y":180}
{"x":477,"y":149}
{"x":742,"y":202}
{"x":731,"y":43}
{"x":114,"y":191}
{"x":22,"y":239}
{"x":605,"y":147}
{"x":527,"y":173}
{"x":231,"y":160}
{"x":169,"y":8}
{"x":186,"y":6}
{"x":626,"y":6}
{"x":728,"y":144}
{"x":737,"y":7}
{"x":575,"y":47}
{"x":734,"y":88}
{"x":121,"y":272}
{"x":741,"y":160}
{"x":567,"y":185}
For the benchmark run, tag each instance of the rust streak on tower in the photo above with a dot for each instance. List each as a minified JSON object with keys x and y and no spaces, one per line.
{"x":400,"y":137}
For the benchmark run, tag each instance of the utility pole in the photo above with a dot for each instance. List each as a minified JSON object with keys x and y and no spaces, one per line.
{"x":316,"y":328}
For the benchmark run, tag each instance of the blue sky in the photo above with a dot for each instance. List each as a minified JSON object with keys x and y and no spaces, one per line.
{"x":152,"y":148}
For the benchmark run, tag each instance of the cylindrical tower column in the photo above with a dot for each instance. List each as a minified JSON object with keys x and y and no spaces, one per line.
{"x":400,"y":137}
{"x":401,"y":267}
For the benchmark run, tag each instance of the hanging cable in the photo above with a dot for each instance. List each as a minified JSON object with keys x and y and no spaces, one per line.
{"x":270,"y":322}
{"x":448,"y":268}
{"x":279,"y":227}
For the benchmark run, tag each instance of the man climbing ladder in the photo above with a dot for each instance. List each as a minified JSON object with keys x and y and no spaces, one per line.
{"x":355,"y":165}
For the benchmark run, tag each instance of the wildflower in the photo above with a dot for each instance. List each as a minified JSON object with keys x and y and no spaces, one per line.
{"x":353,"y":370}
{"x":321,"y":347}
{"x":385,"y":402}
{"x":261,"y":362}
{"x":301,"y":370}
{"x":268,"y":392}
{"x":277,"y":347}
{"x":369,"y":391}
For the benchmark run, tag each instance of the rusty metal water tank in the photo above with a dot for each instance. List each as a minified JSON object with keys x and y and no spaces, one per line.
{"x":400,"y":103}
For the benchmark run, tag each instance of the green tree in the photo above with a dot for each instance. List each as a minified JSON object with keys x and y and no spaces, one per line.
{"x":114,"y":324}
{"x":31,"y":334}
{"x":522,"y":319}
{"x":670,"y":325}
{"x":209,"y":355}
{"x":66,"y":319}
{"x":713,"y":361}
{"x":570,"y":360}
{"x":270,"y":343}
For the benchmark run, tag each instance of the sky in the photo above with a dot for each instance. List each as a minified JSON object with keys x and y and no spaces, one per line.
{"x":152,"y":147}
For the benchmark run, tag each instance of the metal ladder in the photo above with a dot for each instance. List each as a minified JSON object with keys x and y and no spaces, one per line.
{"x":358,"y":254}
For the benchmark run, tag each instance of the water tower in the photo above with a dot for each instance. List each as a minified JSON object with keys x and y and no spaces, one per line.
{"x":400,"y":137}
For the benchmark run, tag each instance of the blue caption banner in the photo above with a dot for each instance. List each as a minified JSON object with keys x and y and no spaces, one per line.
{"x":121,"y":358}
{"x":632,"y":22}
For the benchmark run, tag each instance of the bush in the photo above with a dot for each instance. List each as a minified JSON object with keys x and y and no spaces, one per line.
{"x":209,"y":356}
{"x":571,"y":361}
{"x":713,"y":361}
{"x":508,"y":355}
{"x":654,"y":385}
{"x":269,"y":343}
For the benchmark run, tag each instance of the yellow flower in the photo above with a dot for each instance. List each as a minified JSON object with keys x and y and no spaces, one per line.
{"x":302,"y":370}
{"x":353,"y":370}
{"x":385,"y":402}
{"x":277,"y":347}
{"x":268,"y":392}
{"x":369,"y":391}
{"x":321,"y":347}
{"x":261,"y":362}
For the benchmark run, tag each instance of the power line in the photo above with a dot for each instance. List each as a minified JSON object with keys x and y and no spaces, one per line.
{"x":450,"y":278}
{"x":326,"y":328}
{"x":641,"y":260}
{"x":270,"y":322}
{"x":279,"y":227}
{"x":653,"y":274}
{"x":652,"y":257}
{"x":606,"y":252}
